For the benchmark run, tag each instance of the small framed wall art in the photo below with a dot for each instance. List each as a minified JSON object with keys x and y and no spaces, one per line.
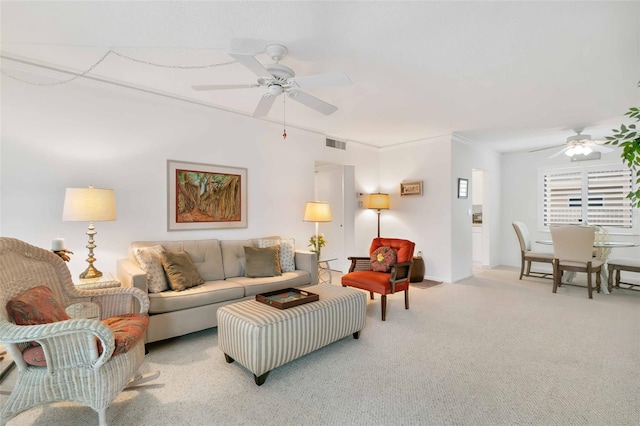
{"x":463,"y":188}
{"x":206,"y":196}
{"x":411,"y":188}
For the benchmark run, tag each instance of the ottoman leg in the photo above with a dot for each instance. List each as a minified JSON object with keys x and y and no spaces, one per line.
{"x":261,"y":379}
{"x":228,"y":359}
{"x":356,"y":335}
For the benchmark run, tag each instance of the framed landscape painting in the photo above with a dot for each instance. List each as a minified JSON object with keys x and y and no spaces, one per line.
{"x":206,"y":196}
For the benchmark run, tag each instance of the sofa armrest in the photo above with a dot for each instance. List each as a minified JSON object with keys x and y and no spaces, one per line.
{"x":130,"y":275}
{"x":307,"y":261}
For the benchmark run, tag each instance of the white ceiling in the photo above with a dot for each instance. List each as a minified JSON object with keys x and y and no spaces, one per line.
{"x":510,"y":75}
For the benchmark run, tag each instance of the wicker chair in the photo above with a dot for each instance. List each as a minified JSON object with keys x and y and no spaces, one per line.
{"x":74,"y":370}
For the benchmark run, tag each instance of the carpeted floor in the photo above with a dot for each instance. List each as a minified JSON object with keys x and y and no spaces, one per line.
{"x":488,"y":350}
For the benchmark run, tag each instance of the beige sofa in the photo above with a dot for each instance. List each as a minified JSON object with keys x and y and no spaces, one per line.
{"x":221,"y":264}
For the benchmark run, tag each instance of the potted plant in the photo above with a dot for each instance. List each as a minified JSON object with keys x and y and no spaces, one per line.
{"x":628,"y":138}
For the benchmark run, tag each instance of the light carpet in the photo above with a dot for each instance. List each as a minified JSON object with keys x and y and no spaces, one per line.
{"x":488,"y":350}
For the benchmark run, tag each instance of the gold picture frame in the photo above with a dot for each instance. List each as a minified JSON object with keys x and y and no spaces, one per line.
{"x":411,"y":188}
{"x":205,"y":196}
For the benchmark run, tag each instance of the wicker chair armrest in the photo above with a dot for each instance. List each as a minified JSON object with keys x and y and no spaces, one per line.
{"x":359,"y":263}
{"x":65,"y":343}
{"x":113,"y":301}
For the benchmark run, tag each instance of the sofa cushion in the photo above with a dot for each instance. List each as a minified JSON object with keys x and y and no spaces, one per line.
{"x":205,"y":254}
{"x":233,"y":259}
{"x":287,"y":252}
{"x":181,"y":271}
{"x":150,"y":260}
{"x":263,"y":262}
{"x":206,"y":294}
{"x":253,"y":286}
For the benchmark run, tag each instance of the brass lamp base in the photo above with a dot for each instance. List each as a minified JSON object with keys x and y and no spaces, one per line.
{"x":90,"y":272}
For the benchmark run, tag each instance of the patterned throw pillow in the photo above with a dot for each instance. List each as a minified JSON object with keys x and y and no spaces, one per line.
{"x":36,"y":306}
{"x":150,"y":260}
{"x":382,"y":259}
{"x":127,"y":331}
{"x":287,"y":252}
{"x":181,"y":271}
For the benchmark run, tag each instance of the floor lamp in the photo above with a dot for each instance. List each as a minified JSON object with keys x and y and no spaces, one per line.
{"x":89,"y":205}
{"x":379,"y":202}
{"x":317,"y":211}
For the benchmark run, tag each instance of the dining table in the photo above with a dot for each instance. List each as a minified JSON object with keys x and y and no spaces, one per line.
{"x":603,"y":248}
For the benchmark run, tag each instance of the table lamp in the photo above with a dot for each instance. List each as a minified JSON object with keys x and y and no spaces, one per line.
{"x":379,"y":202}
{"x":317,"y":211}
{"x":89,"y":205}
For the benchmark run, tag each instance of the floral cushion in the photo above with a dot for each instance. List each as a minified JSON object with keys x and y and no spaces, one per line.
{"x":150,"y":260}
{"x":127,"y":330}
{"x":36,"y":306}
{"x":382,"y":259}
{"x":287,"y":252}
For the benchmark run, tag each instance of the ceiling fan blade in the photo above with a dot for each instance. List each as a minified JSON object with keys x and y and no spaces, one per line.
{"x":312,"y":102}
{"x":252,"y":64}
{"x":321,"y":80}
{"x":600,"y":148}
{"x":545,"y":148}
{"x":223,"y":86}
{"x":560,"y":152}
{"x":264,"y":106}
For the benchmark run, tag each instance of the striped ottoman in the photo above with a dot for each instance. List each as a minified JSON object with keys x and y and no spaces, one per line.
{"x":262,"y":337}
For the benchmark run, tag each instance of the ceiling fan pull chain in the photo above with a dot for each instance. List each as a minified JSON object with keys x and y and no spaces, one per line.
{"x":284,"y":116}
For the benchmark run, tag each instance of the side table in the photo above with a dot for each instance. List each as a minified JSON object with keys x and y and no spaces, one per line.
{"x":87,"y":309}
{"x":417,"y":270}
{"x":324,"y":271}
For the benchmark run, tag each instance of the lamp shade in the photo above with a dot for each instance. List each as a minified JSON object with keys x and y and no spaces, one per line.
{"x":317,"y":211}
{"x":89,"y":205}
{"x":379,"y":201}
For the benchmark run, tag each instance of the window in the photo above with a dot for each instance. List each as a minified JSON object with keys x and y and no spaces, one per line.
{"x":595,"y":196}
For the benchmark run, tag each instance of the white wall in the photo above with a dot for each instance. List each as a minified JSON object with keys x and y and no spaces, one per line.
{"x":425,"y":219}
{"x":521,"y":189}
{"x":85,"y":133}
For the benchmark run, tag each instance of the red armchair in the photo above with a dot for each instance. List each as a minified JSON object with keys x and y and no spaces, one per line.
{"x":397,"y":279}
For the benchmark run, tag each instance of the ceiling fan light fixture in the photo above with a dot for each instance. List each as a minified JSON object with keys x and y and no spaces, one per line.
{"x":586,"y":150}
{"x":571,"y":151}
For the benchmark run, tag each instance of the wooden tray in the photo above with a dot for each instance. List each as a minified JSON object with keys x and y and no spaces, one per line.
{"x":287,"y":298}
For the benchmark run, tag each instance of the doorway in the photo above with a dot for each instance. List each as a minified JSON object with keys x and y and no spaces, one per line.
{"x":334,"y":183}
{"x":479,"y":220}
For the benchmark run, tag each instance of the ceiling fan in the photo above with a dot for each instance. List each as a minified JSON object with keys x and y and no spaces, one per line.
{"x":578,"y":144}
{"x":279,"y":79}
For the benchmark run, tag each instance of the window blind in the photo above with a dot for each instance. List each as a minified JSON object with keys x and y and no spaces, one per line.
{"x":562,"y":198}
{"x":596,"y":197}
{"x":607,"y":202}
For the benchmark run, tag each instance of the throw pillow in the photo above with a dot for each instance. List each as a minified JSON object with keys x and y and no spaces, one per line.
{"x":382,"y":259}
{"x":263,"y":262}
{"x":181,"y":271}
{"x":150,"y":260}
{"x":287,"y":252}
{"x":36,"y":306}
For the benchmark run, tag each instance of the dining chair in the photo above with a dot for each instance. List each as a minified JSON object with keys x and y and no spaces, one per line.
{"x":527,"y":256}
{"x":573,"y":251}
{"x":386,"y":270}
